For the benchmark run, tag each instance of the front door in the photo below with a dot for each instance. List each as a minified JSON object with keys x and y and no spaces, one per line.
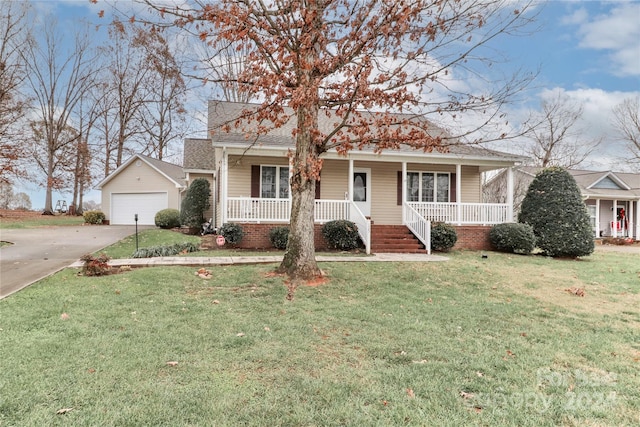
{"x":362,"y":189}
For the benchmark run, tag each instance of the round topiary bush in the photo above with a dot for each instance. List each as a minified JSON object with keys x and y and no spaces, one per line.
{"x":167,"y":218}
{"x":443,"y":236}
{"x":232,"y":232}
{"x":279,"y":236}
{"x":341,"y":234}
{"x":93,"y":217}
{"x":513,"y":237}
{"x":553,"y":207}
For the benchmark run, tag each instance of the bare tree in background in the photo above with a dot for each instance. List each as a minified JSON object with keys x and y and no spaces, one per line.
{"x":15,"y":38}
{"x":58,"y":80}
{"x":627,"y":123}
{"x":555,"y":136}
{"x":125,"y":83}
{"x":163,"y":115}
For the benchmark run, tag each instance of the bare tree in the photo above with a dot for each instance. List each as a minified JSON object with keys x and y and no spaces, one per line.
{"x":360,"y":61}
{"x":555,"y":137}
{"x":627,"y":123}
{"x":58,"y":79}
{"x":162,"y":116}
{"x":15,"y":37}
{"x":125,"y":86}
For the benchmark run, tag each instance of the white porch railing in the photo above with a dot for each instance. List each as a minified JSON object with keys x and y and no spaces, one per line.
{"x":468,"y":214}
{"x":419,"y":226}
{"x":247,"y":209}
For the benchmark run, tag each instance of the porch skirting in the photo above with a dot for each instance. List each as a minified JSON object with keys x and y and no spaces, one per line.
{"x":256,"y":236}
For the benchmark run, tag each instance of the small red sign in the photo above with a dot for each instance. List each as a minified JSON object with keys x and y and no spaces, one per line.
{"x":220,"y":240}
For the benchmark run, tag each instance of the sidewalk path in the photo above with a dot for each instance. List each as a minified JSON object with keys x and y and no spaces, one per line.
{"x":232,"y":260}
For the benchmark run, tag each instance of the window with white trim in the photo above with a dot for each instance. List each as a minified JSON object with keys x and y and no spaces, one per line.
{"x":274,"y":182}
{"x":428,"y":186}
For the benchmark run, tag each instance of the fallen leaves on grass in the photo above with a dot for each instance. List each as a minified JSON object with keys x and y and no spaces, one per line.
{"x":204,"y":273}
{"x":63,"y":411}
{"x":410,"y":393}
{"x":574,"y":290}
{"x":64,"y":316}
{"x":172,"y":363}
{"x":466,"y":395}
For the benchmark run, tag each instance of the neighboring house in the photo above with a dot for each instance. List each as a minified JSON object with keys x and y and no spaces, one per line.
{"x":405,"y":187}
{"x":143,"y":185}
{"x":612,"y":198}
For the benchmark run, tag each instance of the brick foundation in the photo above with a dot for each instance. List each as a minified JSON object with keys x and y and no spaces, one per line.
{"x":256,"y":236}
{"x":474,"y":237}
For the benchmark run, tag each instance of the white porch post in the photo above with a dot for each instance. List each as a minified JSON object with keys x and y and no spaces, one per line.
{"x":223,"y":186}
{"x":459,"y":194}
{"x":350,"y":187}
{"x":597,"y":218}
{"x":404,"y":188}
{"x":510,"y":194}
{"x":630,"y":219}
{"x":637,"y":221}
{"x":614,"y":219}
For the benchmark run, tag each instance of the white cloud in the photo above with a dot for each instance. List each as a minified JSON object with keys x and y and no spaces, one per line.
{"x":617,"y":32}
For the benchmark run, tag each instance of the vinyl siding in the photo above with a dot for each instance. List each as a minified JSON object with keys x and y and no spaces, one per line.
{"x":139,"y":179}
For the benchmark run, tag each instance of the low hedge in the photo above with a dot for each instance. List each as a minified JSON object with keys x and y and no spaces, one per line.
{"x":341,"y":234}
{"x":279,"y":237}
{"x":93,"y":217}
{"x":167,"y":218}
{"x":443,"y":236}
{"x":513,"y":237}
{"x":232,"y":232}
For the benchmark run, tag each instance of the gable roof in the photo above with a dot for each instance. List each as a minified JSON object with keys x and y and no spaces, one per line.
{"x":173,"y":173}
{"x":198,"y":155}
{"x":222,"y":113}
{"x":628,"y":184}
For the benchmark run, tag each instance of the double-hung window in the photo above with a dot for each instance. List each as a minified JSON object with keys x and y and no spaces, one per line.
{"x":428,"y":187}
{"x":274,"y":182}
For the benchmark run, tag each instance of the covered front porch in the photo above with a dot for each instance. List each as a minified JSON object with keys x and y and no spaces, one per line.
{"x":396,"y":191}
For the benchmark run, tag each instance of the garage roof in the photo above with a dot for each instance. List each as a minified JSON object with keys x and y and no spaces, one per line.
{"x":173,"y":173}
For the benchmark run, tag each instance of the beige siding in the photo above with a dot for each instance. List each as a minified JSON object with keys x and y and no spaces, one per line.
{"x":335,"y":182}
{"x":471,"y":185}
{"x":139,"y":179}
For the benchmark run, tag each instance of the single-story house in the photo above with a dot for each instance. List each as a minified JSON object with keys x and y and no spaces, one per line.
{"x":143,"y":185}
{"x":383,"y":193}
{"x":612,"y":198}
{"x":392,"y":195}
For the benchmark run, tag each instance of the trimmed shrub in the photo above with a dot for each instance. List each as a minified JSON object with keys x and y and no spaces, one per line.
{"x":93,"y":217}
{"x":232,"y":232}
{"x":553,"y":207}
{"x":513,"y":237}
{"x":167,"y":218}
{"x":443,"y":236}
{"x":279,"y":236}
{"x":195,"y":202}
{"x":167,"y":250}
{"x":341,"y":234}
{"x":96,"y":266}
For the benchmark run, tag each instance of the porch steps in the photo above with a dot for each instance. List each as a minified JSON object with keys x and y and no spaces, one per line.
{"x":394,"y":239}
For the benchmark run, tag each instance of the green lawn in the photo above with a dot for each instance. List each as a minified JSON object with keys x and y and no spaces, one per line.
{"x":35,"y":221}
{"x":472,"y":341}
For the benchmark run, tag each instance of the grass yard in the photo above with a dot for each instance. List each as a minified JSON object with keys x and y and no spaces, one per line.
{"x":31,"y":219}
{"x":490,"y":342}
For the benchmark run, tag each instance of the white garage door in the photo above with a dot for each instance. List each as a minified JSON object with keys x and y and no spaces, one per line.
{"x":124,"y":206}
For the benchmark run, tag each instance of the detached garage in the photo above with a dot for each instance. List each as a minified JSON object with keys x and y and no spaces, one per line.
{"x":143,"y":186}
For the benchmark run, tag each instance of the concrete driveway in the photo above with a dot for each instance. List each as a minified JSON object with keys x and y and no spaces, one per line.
{"x":36,"y":253}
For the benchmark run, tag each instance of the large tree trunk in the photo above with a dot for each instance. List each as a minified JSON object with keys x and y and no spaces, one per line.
{"x":299,"y":260}
{"x":48,"y":202}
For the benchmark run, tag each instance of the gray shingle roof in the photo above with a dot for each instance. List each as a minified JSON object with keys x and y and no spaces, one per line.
{"x":198,"y":154}
{"x":228,"y":113}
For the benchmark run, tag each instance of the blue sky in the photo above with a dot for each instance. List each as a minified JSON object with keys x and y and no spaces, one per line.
{"x":587,"y":50}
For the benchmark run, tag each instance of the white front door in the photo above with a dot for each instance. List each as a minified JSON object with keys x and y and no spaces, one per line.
{"x":362,"y":189}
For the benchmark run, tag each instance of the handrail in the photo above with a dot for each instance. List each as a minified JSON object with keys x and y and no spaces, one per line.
{"x":363,"y":223}
{"x":418,"y":225}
